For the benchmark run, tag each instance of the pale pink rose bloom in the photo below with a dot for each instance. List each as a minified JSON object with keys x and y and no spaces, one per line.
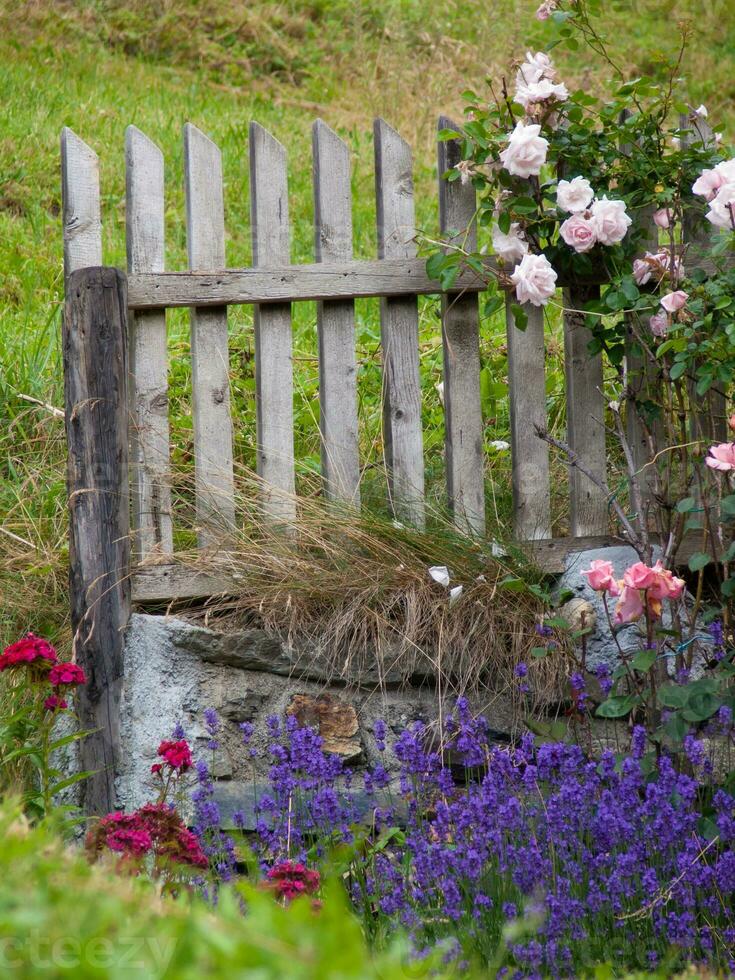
{"x":672,"y":302}
{"x":579,"y":233}
{"x":722,"y":209}
{"x":701,"y":111}
{"x":611,"y":221}
{"x":534,"y":68}
{"x":601,"y":577}
{"x":659,"y":324}
{"x":511,"y":247}
{"x":662,"y":217}
{"x":707,"y":184}
{"x":629,"y":607}
{"x":526,"y":151}
{"x":639,"y":576}
{"x":643,"y":269}
{"x":534,"y":279}
{"x":574,"y":195}
{"x":545,"y":10}
{"x":541,"y":91}
{"x":726,"y":170}
{"x":722,"y":457}
{"x":665,"y":585}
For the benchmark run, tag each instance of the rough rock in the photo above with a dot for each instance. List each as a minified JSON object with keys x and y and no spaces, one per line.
{"x":335,"y":720}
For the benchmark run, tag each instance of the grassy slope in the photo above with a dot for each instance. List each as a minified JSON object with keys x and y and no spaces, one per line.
{"x":102,"y":64}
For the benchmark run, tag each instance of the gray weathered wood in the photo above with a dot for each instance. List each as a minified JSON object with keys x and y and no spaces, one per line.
{"x":281,"y":284}
{"x":461,"y":337}
{"x":529,"y":454}
{"x":205,"y":229}
{"x":399,"y":330}
{"x":149,"y":431}
{"x":96,"y":402}
{"x":80,"y":203}
{"x":336,"y":320}
{"x":273,"y":340}
{"x":585,"y":417}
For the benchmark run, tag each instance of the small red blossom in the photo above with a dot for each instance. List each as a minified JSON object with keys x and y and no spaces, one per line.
{"x":156,"y":767}
{"x":28,"y":650}
{"x":155,"y":828}
{"x":55,"y":703}
{"x":177,"y":755}
{"x":66,"y":675}
{"x":129,"y":841}
{"x":289,"y":879}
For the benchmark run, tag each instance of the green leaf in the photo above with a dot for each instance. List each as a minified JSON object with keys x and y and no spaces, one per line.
{"x":672,"y":696}
{"x":728,"y":588}
{"x":728,"y":505}
{"x":539,"y":652}
{"x":644,"y":660}
{"x":700,"y":707}
{"x":618,"y":706}
{"x":699,"y":560}
{"x":677,"y":370}
{"x":504,"y":222}
{"x":520,"y":317}
{"x":685,"y":505}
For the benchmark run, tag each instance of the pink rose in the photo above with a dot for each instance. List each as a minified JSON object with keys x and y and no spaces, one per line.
{"x":672,"y":302}
{"x":722,"y":457}
{"x":663,"y":218}
{"x":611,"y":221}
{"x":542,"y":91}
{"x":639,"y":576}
{"x":643,"y":269}
{"x":534,"y":279}
{"x":579,"y":233}
{"x":629,"y":607}
{"x":534,"y":68}
{"x":665,"y":585}
{"x":546,"y":10}
{"x":511,"y":247}
{"x":526,"y":151}
{"x":659,"y":324}
{"x":601,"y":577}
{"x":574,"y":195}
{"x":722,"y":209}
{"x":707,"y":184}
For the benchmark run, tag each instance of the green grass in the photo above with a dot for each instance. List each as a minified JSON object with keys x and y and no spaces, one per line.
{"x":100,"y":65}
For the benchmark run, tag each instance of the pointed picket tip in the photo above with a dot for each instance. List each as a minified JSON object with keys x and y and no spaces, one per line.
{"x":385,"y":134}
{"x":199,"y":149}
{"x":325,"y":137}
{"x":262,"y":140}
{"x":136,"y":142}
{"x":73,"y":144}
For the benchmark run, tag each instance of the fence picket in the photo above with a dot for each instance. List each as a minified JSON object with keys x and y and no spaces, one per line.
{"x":80,"y":197}
{"x":336,"y":320}
{"x":215,"y":495}
{"x":273,"y":341}
{"x":585,"y":417}
{"x":461,"y":339}
{"x":399,"y":329}
{"x":149,"y":434}
{"x":529,"y":454}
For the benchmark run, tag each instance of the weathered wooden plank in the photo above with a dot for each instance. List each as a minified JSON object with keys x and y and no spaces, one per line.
{"x":336,"y":320}
{"x":273,"y":340}
{"x":96,"y":402}
{"x":80,"y":203}
{"x":149,"y":432}
{"x":585,"y":417}
{"x":529,"y":454}
{"x":171,"y":582}
{"x":205,"y":229}
{"x":399,"y":330}
{"x":279,"y":284}
{"x":461,"y":338}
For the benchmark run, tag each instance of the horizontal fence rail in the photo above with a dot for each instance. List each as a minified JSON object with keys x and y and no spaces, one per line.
{"x":335,"y":280}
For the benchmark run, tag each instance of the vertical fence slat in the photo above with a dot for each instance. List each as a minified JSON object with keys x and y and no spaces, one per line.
{"x":399,"y":328}
{"x":273,"y":340}
{"x":96,"y":403}
{"x":710,"y":423}
{"x":336,"y":320}
{"x":80,"y":196}
{"x":529,"y":454}
{"x":585,"y":417}
{"x":461,"y":338}
{"x":149,"y":442}
{"x":205,"y":227}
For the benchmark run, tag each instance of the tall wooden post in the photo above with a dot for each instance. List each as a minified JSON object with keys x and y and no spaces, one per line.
{"x":96,"y":402}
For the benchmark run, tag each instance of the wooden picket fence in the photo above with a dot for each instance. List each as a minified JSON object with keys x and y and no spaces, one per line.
{"x":335,"y":279}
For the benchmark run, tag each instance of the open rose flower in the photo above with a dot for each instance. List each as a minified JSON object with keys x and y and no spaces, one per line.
{"x":665,"y":584}
{"x":659,"y":324}
{"x":611,"y":221}
{"x":601,"y":577}
{"x":722,"y":209}
{"x":579,"y":233}
{"x":574,"y":195}
{"x":511,"y":247}
{"x":542,"y":91}
{"x":534,"y":68}
{"x":672,"y":302}
{"x":658,"y":267}
{"x":722,"y":457}
{"x":30,"y":649}
{"x":525,"y":153}
{"x":66,"y":675}
{"x":629,"y":607}
{"x":639,"y":576}
{"x":707,"y":184}
{"x":534,"y":280}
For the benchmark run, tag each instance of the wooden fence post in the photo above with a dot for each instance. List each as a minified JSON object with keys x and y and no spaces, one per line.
{"x":96,"y":402}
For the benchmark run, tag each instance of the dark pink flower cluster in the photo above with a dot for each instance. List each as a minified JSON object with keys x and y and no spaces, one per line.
{"x":66,"y":675}
{"x":155,"y":828}
{"x":290,"y":879}
{"x":29,"y":650}
{"x":176,"y":755}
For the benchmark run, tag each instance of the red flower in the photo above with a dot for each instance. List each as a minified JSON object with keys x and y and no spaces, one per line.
{"x":289,"y":879}
{"x":66,"y":674}
{"x":26,"y":651}
{"x":55,"y":703}
{"x":177,"y":755}
{"x":130,"y":841}
{"x":155,"y":828}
